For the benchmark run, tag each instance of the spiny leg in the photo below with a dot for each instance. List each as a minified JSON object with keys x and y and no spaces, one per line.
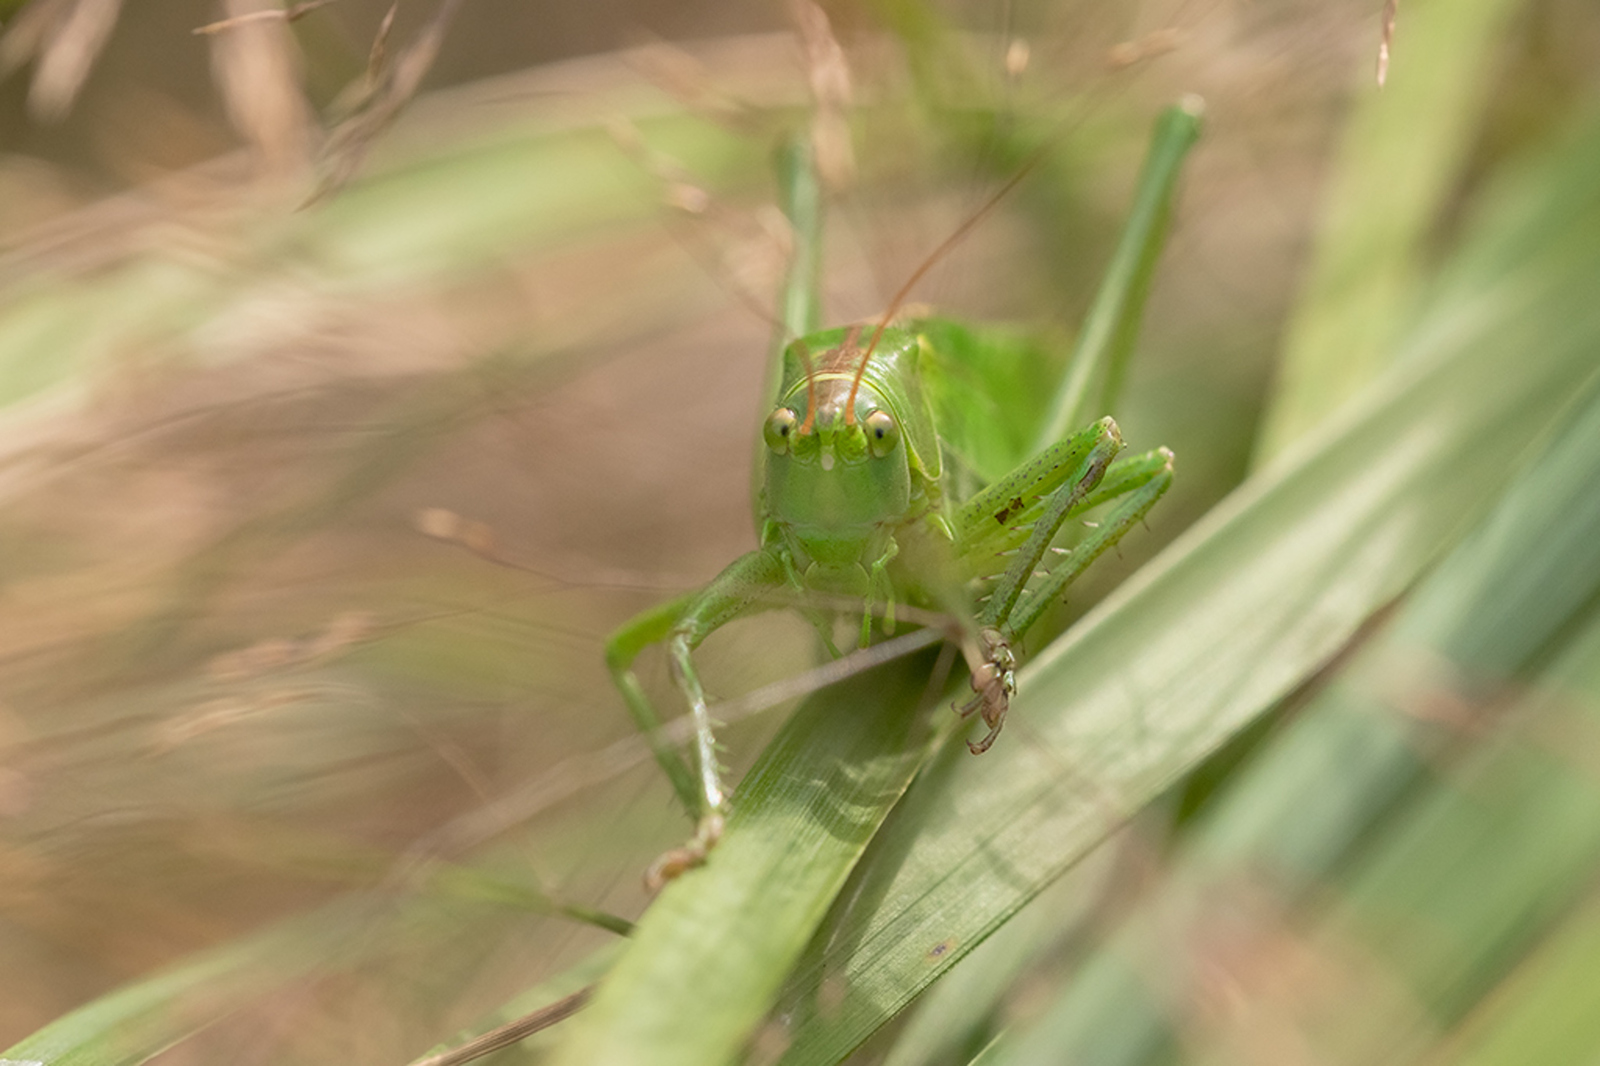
{"x":1104,"y":344}
{"x":753,"y":582}
{"x":1037,"y":499}
{"x":1138,"y":481}
{"x":622,"y":648}
{"x":1018,"y":516}
{"x":712,"y":790}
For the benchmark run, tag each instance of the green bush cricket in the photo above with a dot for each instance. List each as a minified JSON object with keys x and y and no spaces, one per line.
{"x":877,"y":490}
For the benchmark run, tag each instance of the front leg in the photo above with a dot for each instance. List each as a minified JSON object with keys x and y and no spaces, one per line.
{"x":753,"y":582}
{"x":1030,"y":508}
{"x":880,"y":590}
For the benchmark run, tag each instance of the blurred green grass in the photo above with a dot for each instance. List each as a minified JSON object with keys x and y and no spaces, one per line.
{"x":248,"y":706}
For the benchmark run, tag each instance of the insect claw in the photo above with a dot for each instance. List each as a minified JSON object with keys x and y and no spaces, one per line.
{"x":993,"y":683}
{"x":981,"y":746}
{"x":671,"y":865}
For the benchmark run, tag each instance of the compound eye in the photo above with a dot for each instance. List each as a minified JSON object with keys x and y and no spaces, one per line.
{"x":779,"y":429}
{"x":882,"y":433}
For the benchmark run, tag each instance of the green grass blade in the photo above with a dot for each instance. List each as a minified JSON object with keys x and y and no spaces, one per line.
{"x":1106,"y":339}
{"x":1546,"y":1013}
{"x":802,"y":199}
{"x":137,"y":1022}
{"x":956,"y":1016}
{"x":540,"y":997}
{"x":1236,"y":615}
{"x":1471,"y":874}
{"x":1402,"y":158}
{"x":450,"y":214}
{"x":1450,"y":879}
{"x":709,"y":956}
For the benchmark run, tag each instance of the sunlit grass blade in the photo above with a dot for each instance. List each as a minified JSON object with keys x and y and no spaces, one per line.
{"x":1237,"y":614}
{"x":958,"y":1015}
{"x":1403,"y":154}
{"x":452,"y":212}
{"x":561,"y":989}
{"x":1441,"y":878}
{"x":710,"y":954}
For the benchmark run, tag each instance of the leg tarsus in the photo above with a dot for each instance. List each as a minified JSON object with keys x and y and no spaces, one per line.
{"x":671,"y":865}
{"x":981,"y":746}
{"x":994,"y":682}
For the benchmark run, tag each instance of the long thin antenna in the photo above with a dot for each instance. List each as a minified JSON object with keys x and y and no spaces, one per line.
{"x":967,"y":227}
{"x":811,"y":386}
{"x":937,"y":254}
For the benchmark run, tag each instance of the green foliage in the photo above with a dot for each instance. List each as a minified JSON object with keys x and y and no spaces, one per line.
{"x":238,"y":823}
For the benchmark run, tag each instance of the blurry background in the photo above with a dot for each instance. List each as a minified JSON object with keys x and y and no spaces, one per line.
{"x":346,"y":405}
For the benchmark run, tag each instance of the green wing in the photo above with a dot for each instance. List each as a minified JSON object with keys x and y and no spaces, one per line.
{"x":989,"y":387}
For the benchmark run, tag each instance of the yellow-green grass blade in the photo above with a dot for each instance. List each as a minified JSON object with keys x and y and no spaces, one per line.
{"x":139,"y":1021}
{"x":1445,"y":879}
{"x":1237,"y":614}
{"x":451,"y":214}
{"x":710,"y":954}
{"x":566,"y":984}
{"x":1544,"y":1010}
{"x":1403,"y":155}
